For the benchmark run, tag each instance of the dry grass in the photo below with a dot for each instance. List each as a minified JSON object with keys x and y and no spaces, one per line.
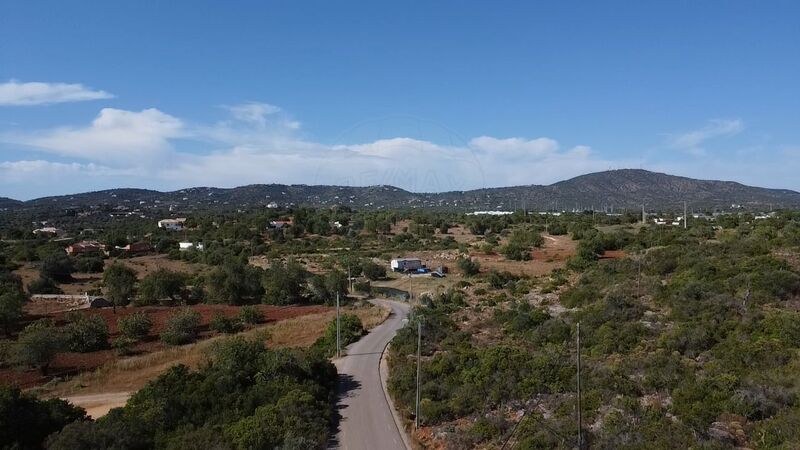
{"x":131,"y":374}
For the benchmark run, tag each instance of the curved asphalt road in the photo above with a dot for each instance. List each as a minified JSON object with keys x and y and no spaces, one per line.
{"x":366,"y":418}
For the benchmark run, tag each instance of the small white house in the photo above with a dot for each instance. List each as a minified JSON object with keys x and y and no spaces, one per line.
{"x":172,"y":224}
{"x":404,"y":264}
{"x":184,"y":246}
{"x":48,"y":231}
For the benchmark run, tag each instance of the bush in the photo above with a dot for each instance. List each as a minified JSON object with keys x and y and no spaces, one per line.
{"x":557,"y":229}
{"x":251,"y":315}
{"x":86,"y":333}
{"x":27,"y":421}
{"x":163,"y":284}
{"x":38,"y":344}
{"x":363,"y":287}
{"x":181,"y":327}
{"x":59,"y":267}
{"x":123,"y":345}
{"x":135,"y":326}
{"x":516,"y":252}
{"x":222,"y":324}
{"x":373,"y":271}
{"x":44,"y":285}
{"x":350,"y":330}
{"x":469,"y":266}
{"x":234,"y":284}
{"x":89,"y":265}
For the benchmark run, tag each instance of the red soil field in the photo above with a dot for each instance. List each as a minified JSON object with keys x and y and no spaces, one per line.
{"x":69,"y":364}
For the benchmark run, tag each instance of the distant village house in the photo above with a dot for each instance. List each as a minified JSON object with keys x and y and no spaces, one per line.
{"x":136,"y":248}
{"x":280,"y":223}
{"x":48,"y":231}
{"x":172,"y":224}
{"x":86,"y":248}
{"x":184,"y":246}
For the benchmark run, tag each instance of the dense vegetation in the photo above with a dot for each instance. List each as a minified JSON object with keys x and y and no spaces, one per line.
{"x":690,"y":338}
{"x":245,"y":397}
{"x":693,"y":337}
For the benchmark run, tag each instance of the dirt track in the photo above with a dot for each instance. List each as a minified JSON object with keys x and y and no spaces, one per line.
{"x":98,"y":405}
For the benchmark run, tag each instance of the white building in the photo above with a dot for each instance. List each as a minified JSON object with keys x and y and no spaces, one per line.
{"x":48,"y":231}
{"x":184,"y":246}
{"x":404,"y":264}
{"x":172,"y":224}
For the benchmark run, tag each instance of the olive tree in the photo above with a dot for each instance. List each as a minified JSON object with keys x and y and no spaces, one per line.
{"x":119,"y":281}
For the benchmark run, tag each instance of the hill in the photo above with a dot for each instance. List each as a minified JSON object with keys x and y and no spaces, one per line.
{"x":8,"y":203}
{"x":615,"y":189}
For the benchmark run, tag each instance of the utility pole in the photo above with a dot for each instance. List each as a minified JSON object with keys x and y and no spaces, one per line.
{"x":580,"y":418}
{"x":410,"y":287}
{"x":638,"y":276}
{"x":338,"y":339}
{"x":644,"y":218}
{"x":419,"y":354}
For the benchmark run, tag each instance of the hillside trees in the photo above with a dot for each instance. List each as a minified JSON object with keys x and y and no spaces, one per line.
{"x":85,"y":333}
{"x":58,"y":266}
{"x":162,"y":284}
{"x":38,"y":344}
{"x":234,"y":283}
{"x":119,"y":281}
{"x":284,"y":283}
{"x":12,"y":298}
{"x":245,"y":397}
{"x":181,"y":327}
{"x":25,"y":421}
{"x":325,"y":288}
{"x":468,"y":266}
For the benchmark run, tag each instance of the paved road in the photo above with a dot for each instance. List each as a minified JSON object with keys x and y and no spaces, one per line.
{"x":366,"y":417}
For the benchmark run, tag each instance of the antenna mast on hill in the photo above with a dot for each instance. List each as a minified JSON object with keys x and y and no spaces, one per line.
{"x":685,"y":217}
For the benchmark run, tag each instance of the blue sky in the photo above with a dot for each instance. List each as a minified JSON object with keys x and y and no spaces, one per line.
{"x":428,"y":96}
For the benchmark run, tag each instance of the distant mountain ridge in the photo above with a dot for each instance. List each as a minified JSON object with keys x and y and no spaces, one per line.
{"x":9,"y":203}
{"x":617,"y":189}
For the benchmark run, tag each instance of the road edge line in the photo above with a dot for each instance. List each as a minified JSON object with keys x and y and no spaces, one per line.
{"x":383,"y":368}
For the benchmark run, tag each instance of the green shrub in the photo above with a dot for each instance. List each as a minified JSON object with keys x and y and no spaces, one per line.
{"x":89,"y":265}
{"x":363,"y":287}
{"x":38,"y":344}
{"x":44,"y":285}
{"x":251,"y":315}
{"x":222,"y":324}
{"x":350,"y":330}
{"x":181,"y":327}
{"x":373,"y":271}
{"x":27,"y":421}
{"x":135,"y":326}
{"x":468,"y":266}
{"x":86,"y":333}
{"x":58,"y":266}
{"x":123,"y":345}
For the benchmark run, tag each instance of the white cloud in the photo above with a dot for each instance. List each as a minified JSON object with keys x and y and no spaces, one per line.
{"x":14,"y":93}
{"x":693,"y":140}
{"x":116,"y":136}
{"x":254,"y":113}
{"x":257,"y":146}
{"x":515,"y":148}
